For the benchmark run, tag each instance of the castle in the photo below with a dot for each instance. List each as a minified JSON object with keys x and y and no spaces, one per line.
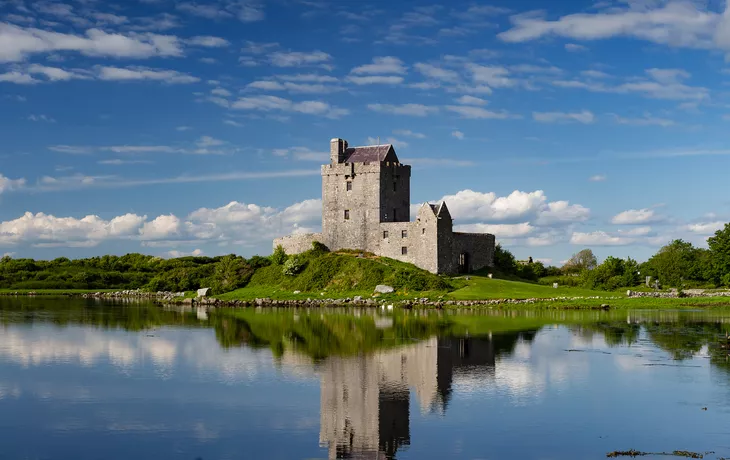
{"x":366,"y":196}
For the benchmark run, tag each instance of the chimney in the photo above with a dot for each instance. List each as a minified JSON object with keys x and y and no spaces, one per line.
{"x":337,"y":150}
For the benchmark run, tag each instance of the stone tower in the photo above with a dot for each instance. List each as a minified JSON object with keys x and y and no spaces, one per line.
{"x":362,"y":187}
{"x":366,"y":201}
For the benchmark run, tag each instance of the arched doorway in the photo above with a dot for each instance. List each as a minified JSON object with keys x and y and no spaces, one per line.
{"x":464,"y":262}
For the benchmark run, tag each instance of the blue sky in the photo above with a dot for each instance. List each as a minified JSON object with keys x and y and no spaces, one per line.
{"x":175,"y":128}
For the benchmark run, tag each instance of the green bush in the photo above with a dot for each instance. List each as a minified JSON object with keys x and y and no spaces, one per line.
{"x":293,"y":266}
{"x":279,"y":256}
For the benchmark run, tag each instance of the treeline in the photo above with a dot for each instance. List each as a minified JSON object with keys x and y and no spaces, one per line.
{"x":131,"y":271}
{"x":678,"y":264}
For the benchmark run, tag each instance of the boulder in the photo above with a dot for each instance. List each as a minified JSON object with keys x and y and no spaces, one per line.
{"x":203,"y":292}
{"x":384,"y":289}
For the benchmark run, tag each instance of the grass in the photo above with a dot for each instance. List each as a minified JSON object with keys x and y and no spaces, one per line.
{"x":341,"y":275}
{"x":481,"y":287}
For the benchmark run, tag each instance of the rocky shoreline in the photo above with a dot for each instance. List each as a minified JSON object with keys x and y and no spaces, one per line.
{"x":179,"y":298}
{"x":379,"y":303}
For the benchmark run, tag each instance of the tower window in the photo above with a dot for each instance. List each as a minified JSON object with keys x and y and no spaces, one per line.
{"x":423,"y":231}
{"x":404,"y":234}
{"x":347,"y":214}
{"x":395,"y":186}
{"x":394,"y":214}
{"x":404,"y":250}
{"x":349,"y":185}
{"x":385,"y":233}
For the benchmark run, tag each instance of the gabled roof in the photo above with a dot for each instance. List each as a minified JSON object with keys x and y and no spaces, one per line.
{"x":371,"y":154}
{"x":439,"y":210}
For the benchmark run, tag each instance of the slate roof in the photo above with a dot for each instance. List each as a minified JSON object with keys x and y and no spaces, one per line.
{"x":371,"y":154}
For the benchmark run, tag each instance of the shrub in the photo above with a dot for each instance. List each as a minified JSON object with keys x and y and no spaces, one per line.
{"x":279,"y":256}
{"x":319,"y":248}
{"x":293,"y":266}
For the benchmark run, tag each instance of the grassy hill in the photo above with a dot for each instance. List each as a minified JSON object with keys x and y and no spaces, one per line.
{"x":340,"y":274}
{"x":348,"y":274}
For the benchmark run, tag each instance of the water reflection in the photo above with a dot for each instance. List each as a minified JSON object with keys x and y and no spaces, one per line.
{"x":385,"y":386}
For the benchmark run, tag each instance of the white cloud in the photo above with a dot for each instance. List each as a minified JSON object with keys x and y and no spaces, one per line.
{"x":706,"y":228}
{"x":299,"y":59}
{"x":458,"y":134}
{"x":598,"y":178}
{"x":273,"y":103}
{"x":585,"y":117}
{"x":244,"y":11}
{"x":381,"y":65}
{"x":417,"y":110}
{"x":41,"y":117}
{"x":55,"y":73}
{"x":161,"y":228}
{"x":220,"y":92}
{"x":471,"y":100}
{"x":646,"y":120}
{"x":47,"y":229}
{"x":467,"y":111}
{"x":672,"y":23}
{"x":562,"y":212}
{"x":295,"y":86}
{"x":409,"y":133}
{"x":19,"y":43}
{"x":177,"y":254}
{"x":376,"y":79}
{"x":143,"y":73}
{"x":656,"y":84}
{"x":7,"y":185}
{"x":71,"y":149}
{"x":575,"y":48}
{"x":599,"y":238}
{"x":436,"y":72}
{"x":493,"y":76}
{"x":469,"y":205}
{"x":636,"y":216}
{"x":208,"y":41}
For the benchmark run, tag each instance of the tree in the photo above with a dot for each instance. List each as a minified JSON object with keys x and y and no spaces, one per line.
{"x":720,"y":255}
{"x":504,"y":260}
{"x":279,"y":255}
{"x":677,"y":261}
{"x":582,"y":260}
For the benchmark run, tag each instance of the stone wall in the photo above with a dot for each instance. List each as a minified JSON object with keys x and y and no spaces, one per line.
{"x":295,"y":244}
{"x":362,"y":203}
{"x":478,"y":246}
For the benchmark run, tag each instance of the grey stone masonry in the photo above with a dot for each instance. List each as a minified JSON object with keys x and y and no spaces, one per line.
{"x":366,"y":194}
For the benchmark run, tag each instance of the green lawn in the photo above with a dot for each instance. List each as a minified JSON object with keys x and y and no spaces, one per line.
{"x":481,"y":287}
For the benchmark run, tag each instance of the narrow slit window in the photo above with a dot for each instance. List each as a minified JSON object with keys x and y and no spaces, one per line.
{"x":423,"y":231}
{"x":395,"y":186}
{"x":404,"y":234}
{"x":394,"y":216}
{"x":404,"y":250}
{"x":347,"y":214}
{"x":349,"y":185}
{"x":385,"y":233}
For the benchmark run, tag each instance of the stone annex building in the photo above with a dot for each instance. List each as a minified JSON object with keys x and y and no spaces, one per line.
{"x":366,"y":196}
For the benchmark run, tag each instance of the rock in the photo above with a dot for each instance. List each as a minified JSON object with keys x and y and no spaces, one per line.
{"x":187,"y":301}
{"x":357,"y":298}
{"x":297,"y":292}
{"x":384,"y":289}
{"x":203,"y":292}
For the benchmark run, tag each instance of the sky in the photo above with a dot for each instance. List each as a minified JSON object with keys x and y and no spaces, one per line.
{"x":179,"y":128}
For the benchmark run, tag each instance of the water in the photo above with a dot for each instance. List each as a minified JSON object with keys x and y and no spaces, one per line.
{"x":88,"y":380}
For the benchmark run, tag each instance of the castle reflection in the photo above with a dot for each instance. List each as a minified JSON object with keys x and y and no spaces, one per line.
{"x":365,"y":400}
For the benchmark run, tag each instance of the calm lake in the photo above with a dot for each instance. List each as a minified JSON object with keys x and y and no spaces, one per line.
{"x":83,"y":379}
